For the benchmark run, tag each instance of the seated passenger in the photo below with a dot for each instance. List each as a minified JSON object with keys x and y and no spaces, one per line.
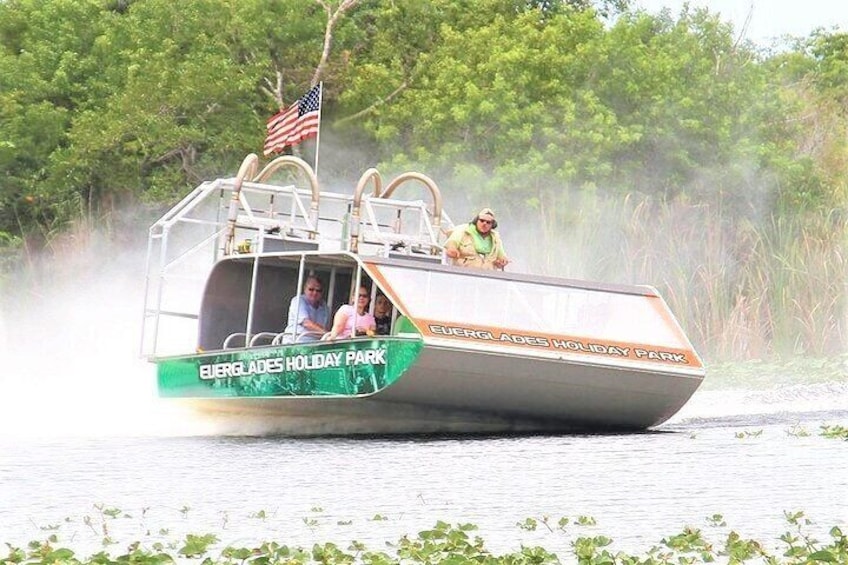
{"x":477,"y":243}
{"x":382,"y":314}
{"x":351,"y":321}
{"x":308,"y":313}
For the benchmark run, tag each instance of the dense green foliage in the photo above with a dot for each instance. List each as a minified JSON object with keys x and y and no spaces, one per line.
{"x":640,"y":148}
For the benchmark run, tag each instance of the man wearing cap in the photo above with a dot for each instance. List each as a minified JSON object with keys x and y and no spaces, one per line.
{"x":308,"y":313}
{"x":477,"y":243}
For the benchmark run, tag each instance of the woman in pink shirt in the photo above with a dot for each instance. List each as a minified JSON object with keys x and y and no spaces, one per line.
{"x":356,"y":316}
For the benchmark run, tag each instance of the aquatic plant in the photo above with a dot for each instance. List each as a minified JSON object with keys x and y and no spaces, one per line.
{"x":835,"y":431}
{"x":797,"y":430}
{"x":748,"y":434}
{"x":457,"y":544}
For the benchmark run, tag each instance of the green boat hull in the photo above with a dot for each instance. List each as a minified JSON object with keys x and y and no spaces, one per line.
{"x":353,"y":368}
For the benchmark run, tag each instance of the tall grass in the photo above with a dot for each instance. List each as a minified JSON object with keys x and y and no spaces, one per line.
{"x":743,"y":287}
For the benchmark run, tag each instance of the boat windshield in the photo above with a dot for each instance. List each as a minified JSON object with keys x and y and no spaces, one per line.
{"x":534,"y":307}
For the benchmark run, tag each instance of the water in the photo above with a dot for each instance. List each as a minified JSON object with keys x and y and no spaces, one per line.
{"x":639,"y":488}
{"x":81,"y":432}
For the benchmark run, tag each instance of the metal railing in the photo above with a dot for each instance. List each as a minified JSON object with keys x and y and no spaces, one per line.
{"x":244,"y":215}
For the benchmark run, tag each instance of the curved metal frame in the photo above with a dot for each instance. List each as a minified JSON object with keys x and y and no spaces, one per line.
{"x":434,"y":192}
{"x":290,"y":161}
{"x":373,"y":174}
{"x":247,"y":169}
{"x":370,"y":174}
{"x":228,"y":340}
{"x":426,"y":181}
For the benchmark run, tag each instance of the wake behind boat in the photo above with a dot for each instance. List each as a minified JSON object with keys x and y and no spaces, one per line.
{"x":466,"y":350}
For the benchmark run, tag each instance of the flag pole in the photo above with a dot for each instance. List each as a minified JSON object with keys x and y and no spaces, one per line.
{"x":318,"y":135}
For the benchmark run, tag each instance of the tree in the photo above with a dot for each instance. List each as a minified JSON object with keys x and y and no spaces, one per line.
{"x":44,"y":61}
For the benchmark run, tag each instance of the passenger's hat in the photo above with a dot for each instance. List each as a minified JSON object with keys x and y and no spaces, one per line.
{"x":486,"y":212}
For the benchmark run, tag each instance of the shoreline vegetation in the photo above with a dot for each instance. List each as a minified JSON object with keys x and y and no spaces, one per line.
{"x":443,"y":544}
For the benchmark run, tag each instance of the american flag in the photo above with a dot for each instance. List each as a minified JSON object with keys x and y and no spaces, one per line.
{"x":296,"y":123}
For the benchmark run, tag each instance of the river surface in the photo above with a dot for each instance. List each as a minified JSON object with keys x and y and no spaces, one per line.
{"x":87,"y":452}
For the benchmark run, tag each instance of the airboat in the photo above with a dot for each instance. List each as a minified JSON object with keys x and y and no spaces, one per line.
{"x":468,"y":350}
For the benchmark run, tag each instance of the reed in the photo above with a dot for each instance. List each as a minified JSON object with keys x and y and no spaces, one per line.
{"x":743,"y":287}
{"x":11,"y":254}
